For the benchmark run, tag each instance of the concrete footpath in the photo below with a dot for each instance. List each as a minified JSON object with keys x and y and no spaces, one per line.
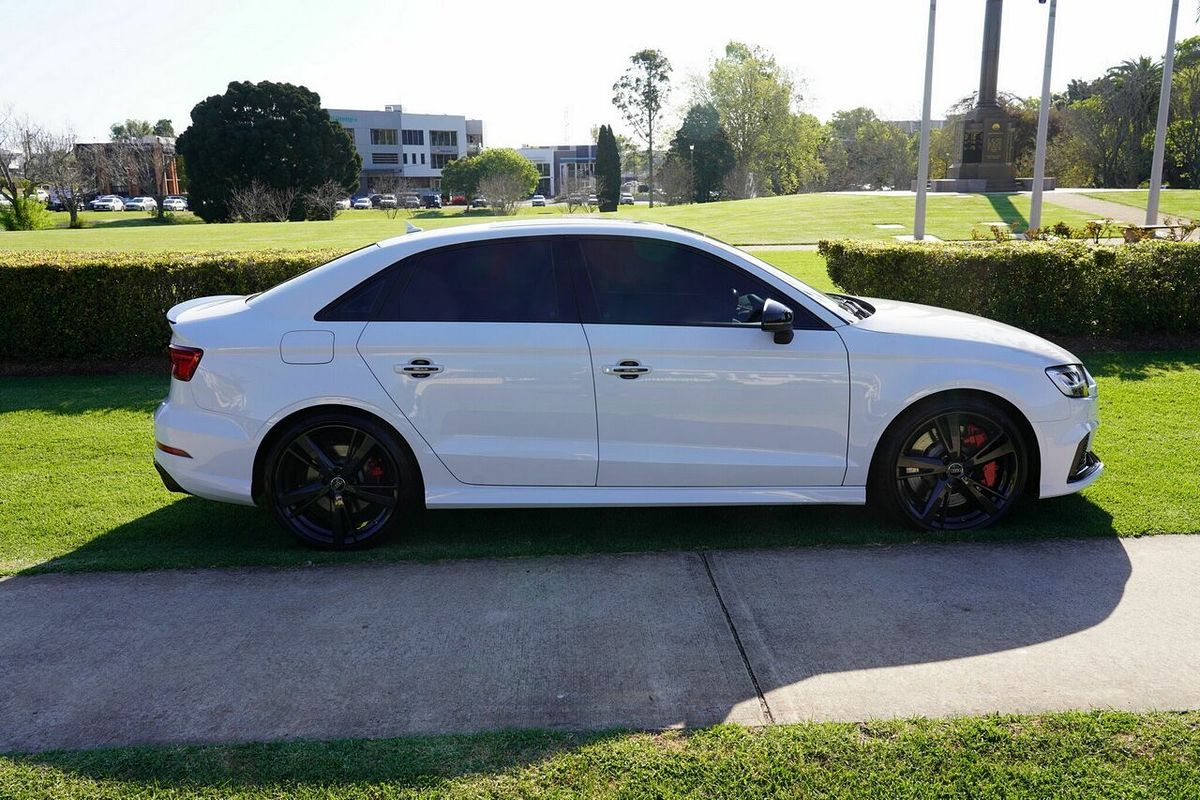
{"x":644,"y":641}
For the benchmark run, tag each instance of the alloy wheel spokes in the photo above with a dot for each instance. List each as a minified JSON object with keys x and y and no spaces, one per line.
{"x":936,"y":494}
{"x":949,"y":431}
{"x":925,"y":466}
{"x":996,"y":447}
{"x":311,"y":453}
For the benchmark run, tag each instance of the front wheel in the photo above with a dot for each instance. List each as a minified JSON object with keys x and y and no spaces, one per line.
{"x":339,"y":481}
{"x":954,"y":464}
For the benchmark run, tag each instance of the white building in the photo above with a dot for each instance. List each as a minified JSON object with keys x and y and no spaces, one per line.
{"x":394,"y":143}
{"x":558,"y":165}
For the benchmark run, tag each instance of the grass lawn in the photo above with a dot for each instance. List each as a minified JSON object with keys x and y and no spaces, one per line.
{"x":793,"y":219}
{"x":1056,"y":755}
{"x":1172,"y":202}
{"x":82,"y":494}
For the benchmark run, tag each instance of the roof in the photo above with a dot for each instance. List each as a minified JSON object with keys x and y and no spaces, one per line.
{"x":584,"y":225}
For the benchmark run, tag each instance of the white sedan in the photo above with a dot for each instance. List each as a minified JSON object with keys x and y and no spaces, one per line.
{"x":107,"y":202}
{"x":141,"y":204}
{"x":596,"y":363}
{"x":174,"y":203}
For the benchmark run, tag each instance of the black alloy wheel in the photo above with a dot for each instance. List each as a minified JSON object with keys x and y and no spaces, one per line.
{"x":957,"y":466}
{"x":338,"y":481}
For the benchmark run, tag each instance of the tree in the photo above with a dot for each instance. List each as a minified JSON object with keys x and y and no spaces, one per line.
{"x":754,"y":98}
{"x":608,"y":169}
{"x":257,"y":202}
{"x":130,"y":129}
{"x":20,"y":173}
{"x":143,"y":166}
{"x":321,"y":202}
{"x":69,"y":170}
{"x":677,"y":179}
{"x":466,"y":175}
{"x":702,"y":143}
{"x":503,"y":190}
{"x":877,"y":152}
{"x":273,"y":133}
{"x":164,"y":127}
{"x":640,"y":94}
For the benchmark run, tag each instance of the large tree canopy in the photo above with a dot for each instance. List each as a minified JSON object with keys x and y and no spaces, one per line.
{"x":464,"y":175}
{"x":273,"y":133}
{"x":701,"y":143}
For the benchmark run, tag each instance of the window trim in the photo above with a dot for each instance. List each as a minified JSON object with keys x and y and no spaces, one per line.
{"x":589,"y":310}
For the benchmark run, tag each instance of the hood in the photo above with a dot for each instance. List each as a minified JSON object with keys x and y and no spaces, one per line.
{"x":930,"y":322}
{"x":202,"y":307}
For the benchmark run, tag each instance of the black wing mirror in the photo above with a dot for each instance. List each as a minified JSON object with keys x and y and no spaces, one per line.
{"x":777,"y":319}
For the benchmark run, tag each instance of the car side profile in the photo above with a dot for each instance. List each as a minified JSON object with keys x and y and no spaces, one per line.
{"x":596,"y":363}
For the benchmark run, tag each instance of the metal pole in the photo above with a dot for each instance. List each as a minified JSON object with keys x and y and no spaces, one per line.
{"x":923,"y":157}
{"x":1039,"y":165}
{"x":1164,"y":109}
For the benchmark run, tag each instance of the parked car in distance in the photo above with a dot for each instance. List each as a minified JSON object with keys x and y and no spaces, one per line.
{"x":432,"y":201}
{"x":593,"y":200}
{"x":479,"y":202}
{"x":343,"y":204}
{"x":174,"y":203}
{"x":605,"y":363}
{"x":537,"y":200}
{"x":458,"y":200}
{"x":107,"y":202}
{"x":410,"y":201}
{"x":387,"y":201}
{"x":57,"y":202}
{"x":626,"y":199}
{"x":141,"y":204}
{"x":361,"y":203}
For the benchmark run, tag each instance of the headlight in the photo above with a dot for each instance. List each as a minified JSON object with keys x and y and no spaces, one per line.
{"x":1072,"y":380}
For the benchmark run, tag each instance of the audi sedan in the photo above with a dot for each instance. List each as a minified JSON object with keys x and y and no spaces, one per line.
{"x":596,"y":363}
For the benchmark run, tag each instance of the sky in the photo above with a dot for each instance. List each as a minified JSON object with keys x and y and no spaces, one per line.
{"x":535,"y":73}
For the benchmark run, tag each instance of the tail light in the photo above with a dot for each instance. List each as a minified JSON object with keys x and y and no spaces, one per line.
{"x":184,"y":361}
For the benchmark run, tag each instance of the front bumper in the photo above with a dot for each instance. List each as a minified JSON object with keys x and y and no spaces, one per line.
{"x":1068,"y":461}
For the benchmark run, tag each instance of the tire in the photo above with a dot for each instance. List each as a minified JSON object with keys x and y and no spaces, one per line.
{"x":951,"y":464}
{"x":340,"y":481}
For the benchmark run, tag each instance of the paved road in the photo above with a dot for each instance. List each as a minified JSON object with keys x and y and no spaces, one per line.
{"x":649,"y":641}
{"x":1099,"y":209}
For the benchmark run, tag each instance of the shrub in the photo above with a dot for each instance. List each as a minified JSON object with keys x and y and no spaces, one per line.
{"x":108,"y":306}
{"x":26,"y":214}
{"x":1063,"y":287}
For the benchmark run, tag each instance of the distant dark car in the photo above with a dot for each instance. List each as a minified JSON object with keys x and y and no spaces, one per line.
{"x":410,"y":201}
{"x":432,"y":201}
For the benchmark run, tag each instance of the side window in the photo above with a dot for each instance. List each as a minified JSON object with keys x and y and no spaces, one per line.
{"x":498,"y":281}
{"x":649,"y":282}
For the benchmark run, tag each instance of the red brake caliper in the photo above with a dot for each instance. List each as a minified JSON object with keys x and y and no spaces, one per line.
{"x":976,"y":437}
{"x":374,"y":468}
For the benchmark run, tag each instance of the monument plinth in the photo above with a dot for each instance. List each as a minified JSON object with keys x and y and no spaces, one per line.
{"x":985,"y":147}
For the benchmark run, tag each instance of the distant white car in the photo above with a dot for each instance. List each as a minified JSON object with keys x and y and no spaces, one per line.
{"x":107,"y":202}
{"x":174,"y":204}
{"x":141,"y":204}
{"x":344,"y":203}
{"x":595,"y":363}
{"x":361,"y":203}
{"x":387,"y":201}
{"x":626,"y":199}
{"x":537,"y":200}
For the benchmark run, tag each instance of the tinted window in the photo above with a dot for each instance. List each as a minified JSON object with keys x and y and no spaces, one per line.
{"x":649,"y":282}
{"x":501,"y":281}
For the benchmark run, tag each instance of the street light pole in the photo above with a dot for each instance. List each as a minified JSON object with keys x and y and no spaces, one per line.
{"x":1164,"y":109}
{"x":1039,"y":166}
{"x":923,"y":157}
{"x":692,"y":150}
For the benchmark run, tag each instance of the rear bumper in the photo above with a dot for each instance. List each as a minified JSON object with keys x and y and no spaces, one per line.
{"x":220,"y":453}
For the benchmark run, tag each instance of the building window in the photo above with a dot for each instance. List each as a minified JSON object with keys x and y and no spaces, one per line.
{"x":443,"y":138}
{"x":385,"y":158}
{"x":406,"y":158}
{"x":383,"y":135}
{"x":440,"y":160}
{"x":412,"y":137}
{"x":422,"y":158}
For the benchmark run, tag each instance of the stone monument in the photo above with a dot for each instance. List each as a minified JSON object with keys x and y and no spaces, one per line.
{"x":985,"y":147}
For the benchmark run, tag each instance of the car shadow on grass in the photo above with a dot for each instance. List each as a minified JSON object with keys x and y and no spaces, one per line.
{"x":195,"y":533}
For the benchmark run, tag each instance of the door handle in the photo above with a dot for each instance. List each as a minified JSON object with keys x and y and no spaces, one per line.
{"x":418,"y":368}
{"x":627,"y":370}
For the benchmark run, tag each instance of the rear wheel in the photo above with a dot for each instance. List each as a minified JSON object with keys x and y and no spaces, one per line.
{"x":954,"y":464}
{"x":338,"y":481}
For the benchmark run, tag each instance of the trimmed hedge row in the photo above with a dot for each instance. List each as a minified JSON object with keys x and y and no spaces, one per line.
{"x":112,"y":306}
{"x":1045,"y":287}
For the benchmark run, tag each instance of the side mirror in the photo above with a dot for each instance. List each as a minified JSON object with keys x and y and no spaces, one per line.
{"x":777,"y":319}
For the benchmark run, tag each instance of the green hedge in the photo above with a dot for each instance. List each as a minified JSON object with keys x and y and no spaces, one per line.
{"x":1046,"y":287}
{"x":112,"y":306}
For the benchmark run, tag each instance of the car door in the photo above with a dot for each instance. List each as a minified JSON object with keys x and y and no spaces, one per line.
{"x":689,"y":390}
{"x":481,"y":348}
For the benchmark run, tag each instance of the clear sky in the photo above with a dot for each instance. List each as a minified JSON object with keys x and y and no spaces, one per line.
{"x":536,"y":73}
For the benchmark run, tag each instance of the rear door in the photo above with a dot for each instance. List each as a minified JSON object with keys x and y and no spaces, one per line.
{"x":481,"y":348}
{"x":689,"y":390}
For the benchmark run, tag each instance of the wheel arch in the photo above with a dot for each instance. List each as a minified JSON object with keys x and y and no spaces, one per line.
{"x":276,"y":430}
{"x":1033,"y":479}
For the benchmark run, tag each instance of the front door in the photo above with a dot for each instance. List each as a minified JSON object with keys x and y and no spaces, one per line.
{"x":689,"y":390}
{"x":480,"y":347}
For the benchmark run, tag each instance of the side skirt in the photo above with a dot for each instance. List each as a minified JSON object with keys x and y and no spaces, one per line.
{"x":585,"y":496}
